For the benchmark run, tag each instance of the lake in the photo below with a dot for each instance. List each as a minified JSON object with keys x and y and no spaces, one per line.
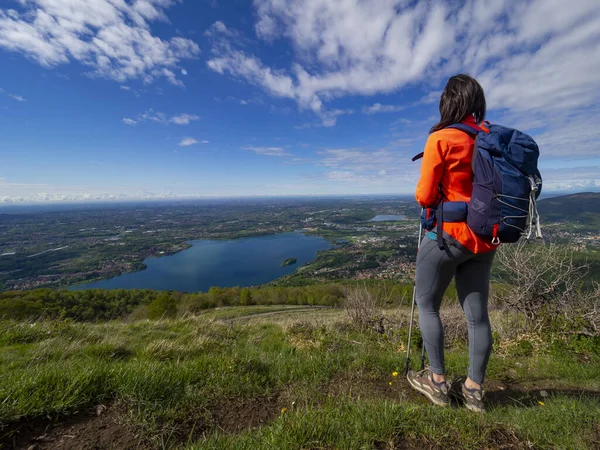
{"x":237,"y":262}
{"x":387,"y":218}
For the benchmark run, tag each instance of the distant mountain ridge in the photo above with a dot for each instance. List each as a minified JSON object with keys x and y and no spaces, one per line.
{"x":583,"y":207}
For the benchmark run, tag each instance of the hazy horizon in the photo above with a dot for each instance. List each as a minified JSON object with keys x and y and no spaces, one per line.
{"x":109,"y":204}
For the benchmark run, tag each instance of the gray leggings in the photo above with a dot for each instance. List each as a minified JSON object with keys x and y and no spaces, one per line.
{"x":435,"y":269}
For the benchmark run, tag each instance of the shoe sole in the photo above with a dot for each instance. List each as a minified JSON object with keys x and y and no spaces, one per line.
{"x":474,"y":408}
{"x":428,"y":395}
{"x":461,"y":397}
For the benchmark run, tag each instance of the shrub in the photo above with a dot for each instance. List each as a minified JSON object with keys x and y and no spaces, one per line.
{"x":547,"y":287}
{"x":362,"y":306}
{"x":523,"y":348}
{"x":162,"y":307}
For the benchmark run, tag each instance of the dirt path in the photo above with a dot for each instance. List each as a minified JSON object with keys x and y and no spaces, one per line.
{"x":271,"y":313}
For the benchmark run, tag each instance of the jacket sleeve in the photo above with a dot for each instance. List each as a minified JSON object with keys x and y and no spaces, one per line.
{"x":432,"y":167}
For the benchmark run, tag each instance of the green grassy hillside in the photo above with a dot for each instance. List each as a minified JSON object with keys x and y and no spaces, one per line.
{"x":294,"y":379}
{"x":581,"y":208}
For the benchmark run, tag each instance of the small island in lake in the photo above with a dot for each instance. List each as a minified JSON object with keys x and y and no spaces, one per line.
{"x":288,"y":262}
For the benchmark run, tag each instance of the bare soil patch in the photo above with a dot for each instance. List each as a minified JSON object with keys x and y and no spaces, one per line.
{"x":103,"y":427}
{"x":359,"y":387}
{"x":237,"y":414}
{"x":526,"y":395}
{"x":95,"y":428}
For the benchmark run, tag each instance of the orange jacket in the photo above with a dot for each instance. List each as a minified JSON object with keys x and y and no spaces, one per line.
{"x":446,"y":172}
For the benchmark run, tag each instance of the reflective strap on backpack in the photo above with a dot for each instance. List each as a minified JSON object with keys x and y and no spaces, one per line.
{"x":534,"y":215}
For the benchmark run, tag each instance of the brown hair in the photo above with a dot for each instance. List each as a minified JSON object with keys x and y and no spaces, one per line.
{"x":462,"y":96}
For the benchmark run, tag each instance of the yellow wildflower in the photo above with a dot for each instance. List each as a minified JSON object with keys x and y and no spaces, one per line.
{"x":283,"y":410}
{"x":390,"y":383}
{"x":394,"y":374}
{"x":541,"y":403}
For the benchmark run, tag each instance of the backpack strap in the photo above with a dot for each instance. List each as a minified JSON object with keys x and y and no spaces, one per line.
{"x":473,"y":131}
{"x":440,"y":222}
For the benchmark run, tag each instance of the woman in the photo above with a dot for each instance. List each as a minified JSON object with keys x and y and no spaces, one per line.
{"x":446,"y":175}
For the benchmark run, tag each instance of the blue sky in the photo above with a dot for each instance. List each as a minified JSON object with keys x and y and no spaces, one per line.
{"x":128,"y":99}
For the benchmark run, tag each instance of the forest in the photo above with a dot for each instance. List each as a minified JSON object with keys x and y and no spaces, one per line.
{"x":100,"y":305}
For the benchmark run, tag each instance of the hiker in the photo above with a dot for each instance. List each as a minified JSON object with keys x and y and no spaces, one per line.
{"x":447,"y":175}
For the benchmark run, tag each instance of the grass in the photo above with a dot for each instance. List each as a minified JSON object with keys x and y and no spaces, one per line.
{"x":227,"y":313}
{"x":385,"y":424}
{"x":202,"y":383}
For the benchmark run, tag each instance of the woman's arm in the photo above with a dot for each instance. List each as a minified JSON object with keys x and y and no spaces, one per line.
{"x":428,"y":191}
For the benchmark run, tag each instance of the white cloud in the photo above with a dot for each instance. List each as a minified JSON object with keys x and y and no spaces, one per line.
{"x":129,"y":89}
{"x":359,"y":47}
{"x":183,"y":119}
{"x":50,"y":194}
{"x":358,"y":159}
{"x":239,"y":64}
{"x":276,"y":82}
{"x":15,"y":193}
{"x":343,"y":176}
{"x":112,"y":37}
{"x":533,"y":57}
{"x":369,"y":168}
{"x":379,"y":108}
{"x":432,"y":97}
{"x":570,"y":179}
{"x":13,"y":96}
{"x":17,"y":97}
{"x":329,"y":117}
{"x":266,"y":151}
{"x":572,"y":137}
{"x":246,"y":101}
{"x":152,"y":116}
{"x":218,"y":29}
{"x":186,"y":142}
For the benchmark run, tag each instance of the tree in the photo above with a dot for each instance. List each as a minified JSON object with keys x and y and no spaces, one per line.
{"x":163,"y":306}
{"x":245,"y":297}
{"x":217,"y":296}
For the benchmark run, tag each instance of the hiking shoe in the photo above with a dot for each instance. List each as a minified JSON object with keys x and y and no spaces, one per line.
{"x":473,"y":399}
{"x":423,"y":382}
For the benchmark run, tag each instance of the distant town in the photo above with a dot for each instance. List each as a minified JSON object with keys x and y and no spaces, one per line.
{"x":372,"y":238}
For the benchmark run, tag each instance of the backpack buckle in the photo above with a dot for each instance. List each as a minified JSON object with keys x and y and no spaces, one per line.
{"x":535,"y":183}
{"x":495,"y":238}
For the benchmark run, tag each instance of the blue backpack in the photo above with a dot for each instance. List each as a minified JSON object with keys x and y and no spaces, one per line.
{"x":506,"y":185}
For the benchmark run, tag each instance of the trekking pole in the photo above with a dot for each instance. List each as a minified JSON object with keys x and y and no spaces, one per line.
{"x":412,"y":314}
{"x":422,"y":355}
